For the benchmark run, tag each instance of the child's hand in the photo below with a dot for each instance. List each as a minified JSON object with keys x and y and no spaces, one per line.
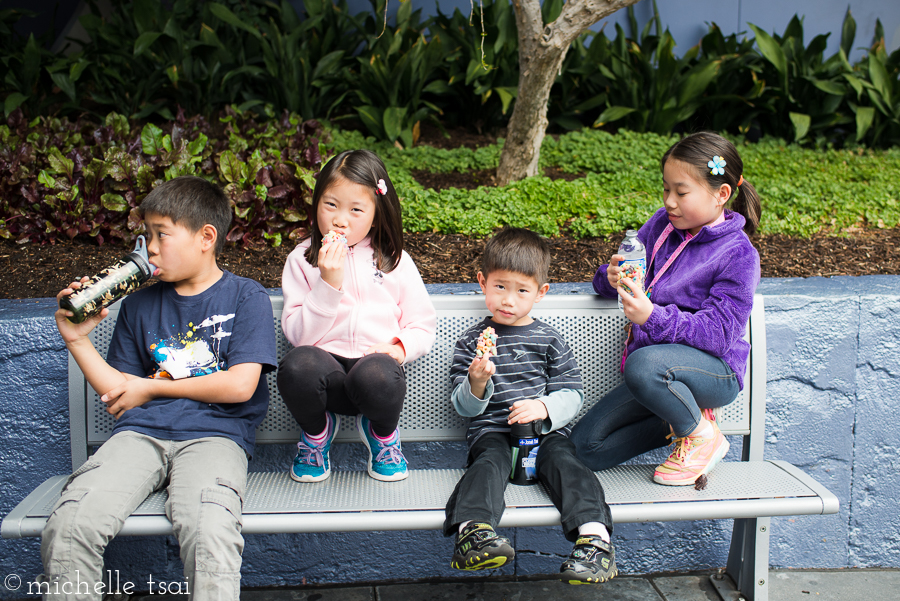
{"x":480,"y":372}
{"x":131,"y":393}
{"x":69,"y":331}
{"x":527,"y":411}
{"x":394,"y":350}
{"x":613,"y":270}
{"x":638,"y":307}
{"x":332,"y":258}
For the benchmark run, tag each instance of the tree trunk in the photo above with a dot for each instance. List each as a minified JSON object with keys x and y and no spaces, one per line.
{"x":541,"y":53}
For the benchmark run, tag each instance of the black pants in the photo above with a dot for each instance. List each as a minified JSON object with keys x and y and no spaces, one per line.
{"x":573,"y":488}
{"x":312,"y":381}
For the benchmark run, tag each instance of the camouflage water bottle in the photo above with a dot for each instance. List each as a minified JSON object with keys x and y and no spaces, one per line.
{"x":109,"y":285}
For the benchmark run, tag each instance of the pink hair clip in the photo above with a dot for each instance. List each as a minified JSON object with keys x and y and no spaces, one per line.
{"x":381,"y":187}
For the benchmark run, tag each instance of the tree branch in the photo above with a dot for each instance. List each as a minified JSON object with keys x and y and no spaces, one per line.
{"x":577,"y":16}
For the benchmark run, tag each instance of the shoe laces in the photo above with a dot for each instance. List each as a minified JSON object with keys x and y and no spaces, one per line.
{"x":683,"y":446}
{"x":310,"y":454}
{"x":389,"y":453}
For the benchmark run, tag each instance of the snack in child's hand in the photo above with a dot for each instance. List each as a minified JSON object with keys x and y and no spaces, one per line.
{"x":635,"y":272}
{"x":333,"y":236}
{"x":487,"y":344}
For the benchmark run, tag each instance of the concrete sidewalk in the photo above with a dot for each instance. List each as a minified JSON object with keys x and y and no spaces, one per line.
{"x":785,"y":585}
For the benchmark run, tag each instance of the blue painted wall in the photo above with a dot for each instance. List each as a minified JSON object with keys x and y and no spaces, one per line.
{"x":833,"y":384}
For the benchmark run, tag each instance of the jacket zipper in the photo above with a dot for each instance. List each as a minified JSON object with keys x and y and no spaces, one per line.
{"x":354,"y":311}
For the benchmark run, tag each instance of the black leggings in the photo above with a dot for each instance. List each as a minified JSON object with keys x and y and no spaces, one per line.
{"x":312,"y":381}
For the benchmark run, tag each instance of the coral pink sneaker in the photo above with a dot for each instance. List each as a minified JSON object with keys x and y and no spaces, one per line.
{"x":693,"y":457}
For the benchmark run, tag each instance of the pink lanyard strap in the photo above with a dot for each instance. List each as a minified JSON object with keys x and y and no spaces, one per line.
{"x":659,"y":242}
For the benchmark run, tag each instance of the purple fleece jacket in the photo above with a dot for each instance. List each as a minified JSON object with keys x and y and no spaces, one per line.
{"x":704,"y":299}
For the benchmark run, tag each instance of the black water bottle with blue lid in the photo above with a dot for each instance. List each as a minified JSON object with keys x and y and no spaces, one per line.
{"x":525,"y":440}
{"x":111,"y":284}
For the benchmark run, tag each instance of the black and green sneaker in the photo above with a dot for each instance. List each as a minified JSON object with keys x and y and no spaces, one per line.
{"x":592,"y":561}
{"x":478,"y":547}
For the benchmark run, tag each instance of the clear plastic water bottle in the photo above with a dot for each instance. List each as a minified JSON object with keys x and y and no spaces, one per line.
{"x":634,"y":262}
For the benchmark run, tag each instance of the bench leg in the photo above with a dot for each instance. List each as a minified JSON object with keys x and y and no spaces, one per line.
{"x":748,"y":559}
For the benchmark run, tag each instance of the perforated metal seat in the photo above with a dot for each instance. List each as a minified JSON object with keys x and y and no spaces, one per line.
{"x":592,"y":326}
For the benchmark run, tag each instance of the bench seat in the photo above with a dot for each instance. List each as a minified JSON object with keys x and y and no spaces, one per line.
{"x":353,"y":502}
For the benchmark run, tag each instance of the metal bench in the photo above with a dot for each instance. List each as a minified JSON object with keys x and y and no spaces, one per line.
{"x":750,"y":491}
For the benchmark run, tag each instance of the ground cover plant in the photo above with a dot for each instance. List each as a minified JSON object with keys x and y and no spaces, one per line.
{"x":803,"y":190}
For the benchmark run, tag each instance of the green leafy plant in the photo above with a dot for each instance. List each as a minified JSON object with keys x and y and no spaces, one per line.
{"x":876,"y":83}
{"x":298,"y":65}
{"x":730,"y":102}
{"x":800,"y":83}
{"x":148,"y":59}
{"x":35,"y":78}
{"x":649,"y":87}
{"x":395,"y":76}
{"x":79,"y":179}
{"x":481,"y":68}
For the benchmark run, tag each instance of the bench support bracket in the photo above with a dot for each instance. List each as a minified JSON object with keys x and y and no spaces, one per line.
{"x":748,"y":561}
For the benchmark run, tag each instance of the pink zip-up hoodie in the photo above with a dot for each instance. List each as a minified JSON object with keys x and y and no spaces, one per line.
{"x":372,"y":307}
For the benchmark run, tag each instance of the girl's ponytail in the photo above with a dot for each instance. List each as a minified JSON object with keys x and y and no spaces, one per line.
{"x":747,"y":204}
{"x":697,"y":150}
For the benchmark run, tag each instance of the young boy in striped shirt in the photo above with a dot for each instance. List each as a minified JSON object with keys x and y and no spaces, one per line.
{"x":534,"y":376}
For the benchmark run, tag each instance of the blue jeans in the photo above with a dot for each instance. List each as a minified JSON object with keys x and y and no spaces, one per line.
{"x":665,"y":384}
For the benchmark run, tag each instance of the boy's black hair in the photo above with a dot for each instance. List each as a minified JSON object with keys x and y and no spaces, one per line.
{"x":192,"y":202}
{"x":517,"y":250}
{"x":696,"y":150}
{"x":362,"y":167}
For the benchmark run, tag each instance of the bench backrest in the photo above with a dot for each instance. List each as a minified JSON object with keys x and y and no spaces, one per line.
{"x":593,"y":327}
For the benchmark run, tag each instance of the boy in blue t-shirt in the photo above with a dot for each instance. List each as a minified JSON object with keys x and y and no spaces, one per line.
{"x":184,"y":379}
{"x":533,"y":376}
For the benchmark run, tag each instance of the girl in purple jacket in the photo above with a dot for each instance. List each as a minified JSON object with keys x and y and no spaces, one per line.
{"x":685,"y":352}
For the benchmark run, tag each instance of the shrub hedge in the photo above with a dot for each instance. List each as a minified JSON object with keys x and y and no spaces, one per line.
{"x":148,"y":58}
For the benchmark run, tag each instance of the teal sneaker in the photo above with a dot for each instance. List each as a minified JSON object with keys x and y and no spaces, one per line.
{"x":386,"y":460}
{"x":312,"y":463}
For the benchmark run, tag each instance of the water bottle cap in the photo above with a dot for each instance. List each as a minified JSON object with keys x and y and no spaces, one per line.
{"x":140,"y":257}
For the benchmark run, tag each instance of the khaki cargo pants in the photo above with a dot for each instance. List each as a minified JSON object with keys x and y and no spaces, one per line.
{"x":205,"y":480}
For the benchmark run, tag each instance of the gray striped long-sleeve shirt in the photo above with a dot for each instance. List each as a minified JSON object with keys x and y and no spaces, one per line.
{"x":533,"y":362}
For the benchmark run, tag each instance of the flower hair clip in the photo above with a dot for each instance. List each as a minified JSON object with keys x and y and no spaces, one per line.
{"x":381,"y":188}
{"x":717,"y":164}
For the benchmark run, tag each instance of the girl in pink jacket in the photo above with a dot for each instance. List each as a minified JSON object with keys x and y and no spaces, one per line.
{"x":356,"y":310}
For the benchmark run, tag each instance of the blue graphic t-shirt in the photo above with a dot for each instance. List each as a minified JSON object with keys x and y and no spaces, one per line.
{"x":160,"y":334}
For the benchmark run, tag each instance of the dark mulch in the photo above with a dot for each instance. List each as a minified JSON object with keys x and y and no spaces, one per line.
{"x":456,"y":137}
{"x":30,"y":271}
{"x":470,"y":180}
